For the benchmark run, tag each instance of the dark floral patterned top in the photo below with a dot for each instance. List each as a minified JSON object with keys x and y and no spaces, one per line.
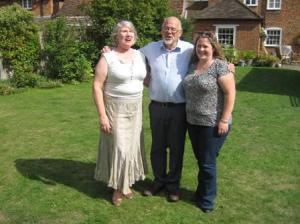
{"x":204,"y":96}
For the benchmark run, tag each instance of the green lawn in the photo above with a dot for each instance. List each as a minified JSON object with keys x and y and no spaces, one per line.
{"x":48,"y":147}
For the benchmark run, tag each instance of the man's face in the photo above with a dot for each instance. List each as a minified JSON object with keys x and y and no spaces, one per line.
{"x":171,"y":32}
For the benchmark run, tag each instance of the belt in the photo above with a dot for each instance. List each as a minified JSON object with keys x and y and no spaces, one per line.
{"x":166,"y":104}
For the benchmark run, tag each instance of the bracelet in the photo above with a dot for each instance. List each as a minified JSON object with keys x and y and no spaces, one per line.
{"x":224,"y":121}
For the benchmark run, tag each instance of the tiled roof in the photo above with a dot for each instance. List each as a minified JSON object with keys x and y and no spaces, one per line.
{"x":72,"y":8}
{"x":227,"y":9}
{"x":197,"y":6}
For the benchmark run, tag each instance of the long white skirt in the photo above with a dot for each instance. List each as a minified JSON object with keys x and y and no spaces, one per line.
{"x":121,"y":157}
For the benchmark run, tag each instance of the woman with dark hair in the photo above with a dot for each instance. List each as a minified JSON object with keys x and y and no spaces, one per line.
{"x":210,"y":95}
{"x":118,"y":92}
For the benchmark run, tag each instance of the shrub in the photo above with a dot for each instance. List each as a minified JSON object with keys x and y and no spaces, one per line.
{"x":62,"y":54}
{"x":231,"y":54}
{"x":19,"y":43}
{"x":265,"y":60}
{"x":22,"y":79}
{"x":6,"y":89}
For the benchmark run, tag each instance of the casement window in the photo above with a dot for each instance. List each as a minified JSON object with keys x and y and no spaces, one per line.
{"x":250,"y":2}
{"x":274,"y":36}
{"x":274,"y":4}
{"x":226,"y":34}
{"x":27,"y":4}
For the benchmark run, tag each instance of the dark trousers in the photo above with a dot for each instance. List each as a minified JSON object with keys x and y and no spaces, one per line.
{"x":168,"y":128}
{"x":206,"y":143}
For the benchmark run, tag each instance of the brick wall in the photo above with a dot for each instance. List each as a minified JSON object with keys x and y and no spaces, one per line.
{"x":49,"y":7}
{"x":247,"y":32}
{"x":288,"y":18}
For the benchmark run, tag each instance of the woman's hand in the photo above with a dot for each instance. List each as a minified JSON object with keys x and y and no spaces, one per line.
{"x":104,"y":124}
{"x":222,"y":128}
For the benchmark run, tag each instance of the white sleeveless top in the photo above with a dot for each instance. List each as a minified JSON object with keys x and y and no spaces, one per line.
{"x":125,"y":79}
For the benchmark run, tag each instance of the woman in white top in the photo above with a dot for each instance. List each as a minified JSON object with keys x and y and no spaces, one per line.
{"x":117,"y":90}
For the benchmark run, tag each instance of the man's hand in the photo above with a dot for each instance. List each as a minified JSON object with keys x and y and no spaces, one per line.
{"x":105,"y":49}
{"x":231,"y":68}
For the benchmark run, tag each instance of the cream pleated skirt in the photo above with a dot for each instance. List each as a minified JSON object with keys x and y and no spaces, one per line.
{"x":121,"y":157}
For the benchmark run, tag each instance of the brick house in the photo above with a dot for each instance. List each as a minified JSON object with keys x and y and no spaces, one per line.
{"x":239,"y":22}
{"x":40,"y":8}
{"x":50,"y":8}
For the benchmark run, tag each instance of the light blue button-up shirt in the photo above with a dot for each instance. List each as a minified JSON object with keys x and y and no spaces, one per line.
{"x":168,"y":69}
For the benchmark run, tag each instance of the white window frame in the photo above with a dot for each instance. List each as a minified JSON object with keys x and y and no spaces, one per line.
{"x":27,"y":4}
{"x":227,"y":26}
{"x":280,"y":37}
{"x":273,"y":7}
{"x":252,"y":3}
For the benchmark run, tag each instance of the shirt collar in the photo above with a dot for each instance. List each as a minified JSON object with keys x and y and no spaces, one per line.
{"x":176,"y":49}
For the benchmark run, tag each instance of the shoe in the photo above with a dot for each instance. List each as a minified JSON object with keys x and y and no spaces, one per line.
{"x":129,"y":195}
{"x":153,"y":191}
{"x":206,"y":210}
{"x":173,"y":197}
{"x":117,"y":198}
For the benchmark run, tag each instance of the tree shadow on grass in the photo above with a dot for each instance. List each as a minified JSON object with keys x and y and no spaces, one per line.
{"x":75,"y":174}
{"x":273,"y":81}
{"x":78,"y":175}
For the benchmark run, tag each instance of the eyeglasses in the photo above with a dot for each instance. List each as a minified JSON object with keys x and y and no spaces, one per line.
{"x":206,"y":34}
{"x":171,"y":29}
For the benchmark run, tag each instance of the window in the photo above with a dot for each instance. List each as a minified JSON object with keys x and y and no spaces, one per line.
{"x":274,"y":4}
{"x":273,"y":37}
{"x":250,"y":2}
{"x":27,"y":4}
{"x":226,"y":34}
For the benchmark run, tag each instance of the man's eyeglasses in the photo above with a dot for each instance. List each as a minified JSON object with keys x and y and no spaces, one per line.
{"x":206,"y":34}
{"x":171,"y":29}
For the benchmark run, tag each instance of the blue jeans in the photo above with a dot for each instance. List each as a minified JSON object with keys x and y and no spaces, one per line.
{"x":206,"y":143}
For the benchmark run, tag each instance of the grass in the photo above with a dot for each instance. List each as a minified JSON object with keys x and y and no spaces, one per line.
{"x":48,"y":148}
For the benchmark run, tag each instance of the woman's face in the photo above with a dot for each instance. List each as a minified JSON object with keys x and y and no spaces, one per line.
{"x":204,"y":49}
{"x":126,"y":37}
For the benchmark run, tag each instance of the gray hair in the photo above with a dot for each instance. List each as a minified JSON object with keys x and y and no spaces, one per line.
{"x":174,"y":18}
{"x":121,"y":24}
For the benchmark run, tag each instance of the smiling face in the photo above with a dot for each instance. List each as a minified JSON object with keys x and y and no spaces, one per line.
{"x":171,"y":31}
{"x":204,"y":49}
{"x":126,"y":37}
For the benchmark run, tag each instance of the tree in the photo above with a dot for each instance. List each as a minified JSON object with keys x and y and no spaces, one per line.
{"x":19,"y":44}
{"x":146,"y":15}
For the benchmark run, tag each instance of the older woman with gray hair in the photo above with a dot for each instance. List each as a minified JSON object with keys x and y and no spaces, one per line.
{"x":117,"y":91}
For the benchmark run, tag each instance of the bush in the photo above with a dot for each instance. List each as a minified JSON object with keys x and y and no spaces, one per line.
{"x":22,"y":79}
{"x":6,"y":89}
{"x":62,"y":54}
{"x":231,"y":54}
{"x":19,"y":43}
{"x":265,"y":61}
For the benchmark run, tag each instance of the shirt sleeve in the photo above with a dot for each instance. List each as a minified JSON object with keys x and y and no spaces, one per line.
{"x":222,"y":68}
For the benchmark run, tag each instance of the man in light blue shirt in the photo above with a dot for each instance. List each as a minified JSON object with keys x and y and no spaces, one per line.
{"x":168,"y":69}
{"x":168,"y":60}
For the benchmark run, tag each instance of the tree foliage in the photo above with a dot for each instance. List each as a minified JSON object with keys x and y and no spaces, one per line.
{"x":146,"y":15}
{"x":19,"y":43}
{"x":62,"y":55}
